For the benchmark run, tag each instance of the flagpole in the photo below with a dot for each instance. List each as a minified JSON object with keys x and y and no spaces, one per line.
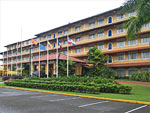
{"x":16,"y":59}
{"x":21,"y":51}
{"x":67,"y":57}
{"x":11,"y":62}
{"x":57,"y":60}
{"x":7,"y":61}
{"x":47,"y":59}
{"x":39,"y":58}
{"x":31,"y":57}
{"x":3,"y":65}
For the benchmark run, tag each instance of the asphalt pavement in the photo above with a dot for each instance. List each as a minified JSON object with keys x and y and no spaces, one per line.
{"x":19,"y":101}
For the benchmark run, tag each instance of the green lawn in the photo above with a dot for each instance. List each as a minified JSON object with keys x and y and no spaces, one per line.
{"x":139,"y":93}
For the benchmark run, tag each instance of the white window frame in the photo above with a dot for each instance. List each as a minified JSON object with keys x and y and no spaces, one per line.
{"x":120,"y":16}
{"x":91,"y":36}
{"x":78,"y":39}
{"x":100,"y":46}
{"x":92,"y":24}
{"x":77,"y":28}
{"x":122,"y":70}
{"x":100,"y":34}
{"x":145,"y":40}
{"x":131,"y":53}
{"x":120,"y":30}
{"x":77,"y":50}
{"x":121,"y":44}
{"x":131,"y":41}
{"x":143,"y":54}
{"x":101,"y":22}
{"x":121,"y":55}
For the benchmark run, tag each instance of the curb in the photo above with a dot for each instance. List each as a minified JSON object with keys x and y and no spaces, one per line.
{"x":100,"y":98}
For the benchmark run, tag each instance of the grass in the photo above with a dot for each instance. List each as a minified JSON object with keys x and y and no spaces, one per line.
{"x":130,"y":80}
{"x":138,"y":93}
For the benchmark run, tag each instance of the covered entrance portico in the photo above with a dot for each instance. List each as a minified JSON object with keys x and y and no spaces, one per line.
{"x":52,"y":64}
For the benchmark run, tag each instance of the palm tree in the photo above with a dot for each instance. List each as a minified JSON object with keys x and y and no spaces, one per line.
{"x":134,"y":25}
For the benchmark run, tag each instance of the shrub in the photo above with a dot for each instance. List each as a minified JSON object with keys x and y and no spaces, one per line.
{"x":140,"y":76}
{"x":81,"y":84}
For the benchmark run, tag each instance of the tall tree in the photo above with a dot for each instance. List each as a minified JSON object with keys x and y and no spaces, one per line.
{"x":134,"y":25}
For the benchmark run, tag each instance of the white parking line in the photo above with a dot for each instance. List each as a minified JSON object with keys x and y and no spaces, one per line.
{"x":136,"y":109}
{"x":93,"y":104}
{"x":64,"y":99}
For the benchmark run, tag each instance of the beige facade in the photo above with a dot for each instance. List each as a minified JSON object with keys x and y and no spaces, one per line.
{"x":104,"y":31}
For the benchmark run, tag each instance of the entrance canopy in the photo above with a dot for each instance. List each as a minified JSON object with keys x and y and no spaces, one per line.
{"x":60,"y":57}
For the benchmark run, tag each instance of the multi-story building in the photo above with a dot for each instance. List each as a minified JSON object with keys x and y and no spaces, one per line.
{"x":105,"y":31}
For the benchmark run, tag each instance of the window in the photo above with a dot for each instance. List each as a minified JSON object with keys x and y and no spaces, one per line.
{"x":146,"y":26}
{"x":22,"y":43}
{"x":91,"y":24}
{"x":100,"y":34}
{"x":145,"y":40}
{"x":60,"y":33}
{"x":132,"y":42}
{"x":131,"y":13}
{"x":49,"y":36}
{"x":84,"y":49}
{"x":110,"y":59}
{"x":77,"y":28}
{"x":109,"y":46}
{"x":90,"y":47}
{"x":120,"y":16}
{"x":65,"y":42}
{"x":78,"y":50}
{"x":144,"y":69}
{"x":91,"y":36}
{"x":145,"y":54}
{"x":121,"y":72}
{"x":66,"y":31}
{"x":44,"y":38}
{"x":132,"y":70}
{"x":120,"y":30}
{"x":120,"y":44}
{"x":109,"y":33}
{"x":109,"y":19}
{"x":65,"y":52}
{"x":101,"y":47}
{"x":121,"y":57}
{"x":132,"y":56}
{"x":27,"y":42}
{"x":54,"y":36}
{"x":78,"y":39}
{"x":101,"y":22}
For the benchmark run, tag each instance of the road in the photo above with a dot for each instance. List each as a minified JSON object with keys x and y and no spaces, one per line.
{"x":19,"y":101}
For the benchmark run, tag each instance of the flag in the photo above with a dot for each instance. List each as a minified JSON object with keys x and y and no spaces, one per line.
{"x":54,"y":45}
{"x":71,"y":42}
{"x":59,"y":44}
{"x":34,"y":41}
{"x":42,"y":47}
{"x":50,"y":45}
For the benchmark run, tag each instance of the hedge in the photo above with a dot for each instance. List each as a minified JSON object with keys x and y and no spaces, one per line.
{"x":64,"y":86}
{"x":140,"y":76}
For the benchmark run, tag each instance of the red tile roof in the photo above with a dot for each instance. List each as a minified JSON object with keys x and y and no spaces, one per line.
{"x":61,"y":57}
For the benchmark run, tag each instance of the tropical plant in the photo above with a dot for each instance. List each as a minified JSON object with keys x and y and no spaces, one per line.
{"x":96,"y":57}
{"x":25,"y":70}
{"x":63,"y":67}
{"x":134,"y":25}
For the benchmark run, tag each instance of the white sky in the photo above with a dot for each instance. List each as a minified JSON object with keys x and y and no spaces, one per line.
{"x":36,"y":16}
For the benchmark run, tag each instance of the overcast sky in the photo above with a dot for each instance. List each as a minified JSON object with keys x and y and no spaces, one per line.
{"x":36,"y":16}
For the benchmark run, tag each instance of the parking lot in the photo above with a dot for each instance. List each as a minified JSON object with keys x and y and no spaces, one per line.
{"x":19,"y":101}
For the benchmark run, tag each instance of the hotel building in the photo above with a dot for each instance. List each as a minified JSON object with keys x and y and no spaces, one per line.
{"x":104,"y":30}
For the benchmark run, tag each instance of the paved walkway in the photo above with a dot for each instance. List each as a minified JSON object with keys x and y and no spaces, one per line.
{"x":133,"y":82}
